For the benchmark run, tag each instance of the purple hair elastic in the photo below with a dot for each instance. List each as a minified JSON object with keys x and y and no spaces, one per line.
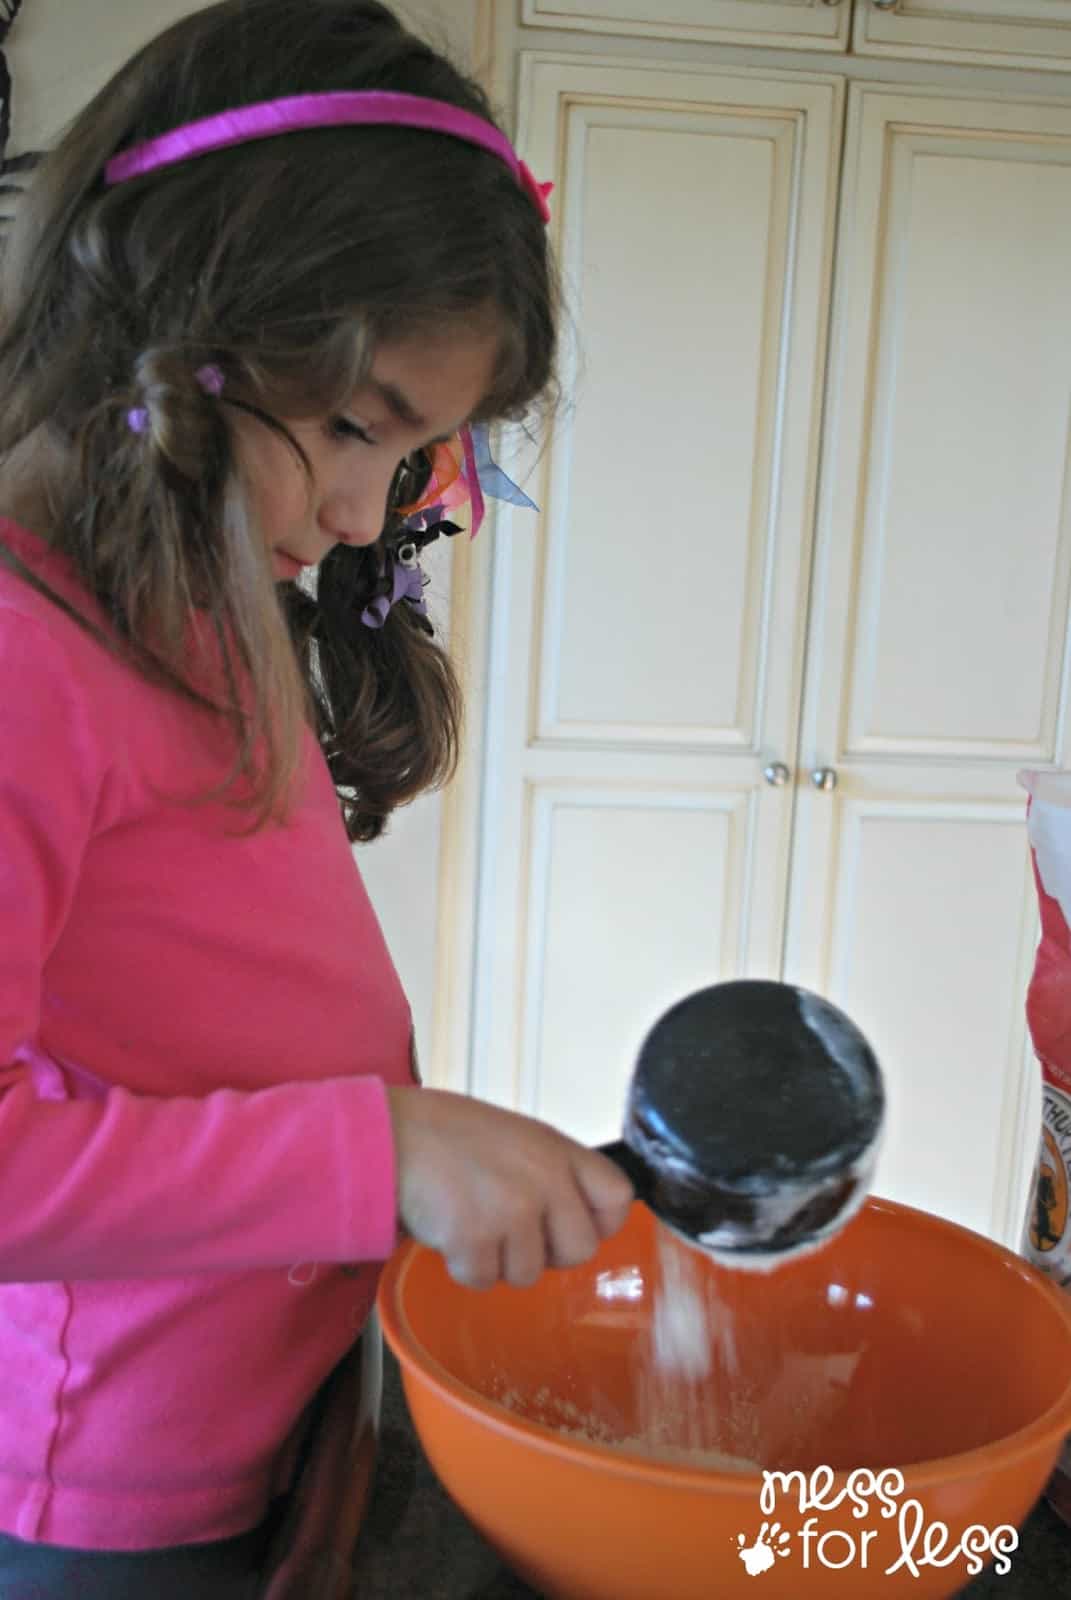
{"x":267,"y":119}
{"x":211,"y":380}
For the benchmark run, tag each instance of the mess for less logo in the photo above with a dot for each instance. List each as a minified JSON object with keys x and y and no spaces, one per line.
{"x":836,"y":1549}
{"x":773,"y":1541}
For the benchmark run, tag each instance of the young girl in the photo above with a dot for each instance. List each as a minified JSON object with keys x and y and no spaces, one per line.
{"x":247,"y":305}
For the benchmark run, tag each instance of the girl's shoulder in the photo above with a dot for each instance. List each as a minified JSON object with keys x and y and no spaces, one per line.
{"x":62,"y":666}
{"x":39,"y":586}
{"x":54,"y":658}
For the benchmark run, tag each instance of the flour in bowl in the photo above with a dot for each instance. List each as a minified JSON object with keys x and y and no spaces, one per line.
{"x":689,"y":1401}
{"x":678,"y":1455}
{"x":572,"y":1423}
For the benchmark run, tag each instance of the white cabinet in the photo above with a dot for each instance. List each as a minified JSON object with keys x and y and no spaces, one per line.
{"x":1011,"y":33}
{"x":789,"y":24}
{"x":938,"y":636}
{"x":648,"y":631}
{"x":656,"y":650}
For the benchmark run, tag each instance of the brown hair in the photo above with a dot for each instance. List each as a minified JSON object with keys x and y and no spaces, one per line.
{"x":283,"y":262}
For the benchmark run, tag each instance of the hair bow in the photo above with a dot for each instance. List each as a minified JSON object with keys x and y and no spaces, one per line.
{"x":463,"y":472}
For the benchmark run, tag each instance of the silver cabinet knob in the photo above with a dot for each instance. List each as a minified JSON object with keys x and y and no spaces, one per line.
{"x":824,"y":778}
{"x":887,"y":5}
{"x":776,"y":774}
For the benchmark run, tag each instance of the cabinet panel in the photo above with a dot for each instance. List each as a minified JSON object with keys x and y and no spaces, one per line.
{"x":939,"y":624}
{"x":1012,"y":33}
{"x":965,"y":527}
{"x":944,"y":517}
{"x":789,"y":24}
{"x":647,"y":628}
{"x":633,"y":899}
{"x":932,"y":908}
{"x":661,"y":554}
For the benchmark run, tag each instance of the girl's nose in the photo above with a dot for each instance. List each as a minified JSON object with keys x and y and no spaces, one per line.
{"x":354,"y":512}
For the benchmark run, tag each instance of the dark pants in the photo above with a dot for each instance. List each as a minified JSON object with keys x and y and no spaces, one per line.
{"x":229,"y":1569}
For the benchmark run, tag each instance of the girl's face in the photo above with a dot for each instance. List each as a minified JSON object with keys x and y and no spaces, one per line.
{"x":418,"y":392}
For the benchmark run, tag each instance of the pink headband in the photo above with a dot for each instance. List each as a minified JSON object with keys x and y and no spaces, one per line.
{"x":269,"y":118}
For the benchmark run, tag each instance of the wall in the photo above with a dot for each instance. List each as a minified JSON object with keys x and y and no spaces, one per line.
{"x":60,"y":54}
{"x":62,"y":51}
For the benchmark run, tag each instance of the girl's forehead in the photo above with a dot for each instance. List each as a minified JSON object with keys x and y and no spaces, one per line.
{"x":434,"y":382}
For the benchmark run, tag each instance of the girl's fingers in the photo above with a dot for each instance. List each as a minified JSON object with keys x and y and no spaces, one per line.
{"x":571,"y":1233}
{"x":524,"y":1254}
{"x":608,"y":1193}
{"x":477,"y":1267}
{"x":500,"y":1195}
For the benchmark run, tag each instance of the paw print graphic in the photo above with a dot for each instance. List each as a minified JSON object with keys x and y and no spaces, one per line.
{"x":759,"y":1557}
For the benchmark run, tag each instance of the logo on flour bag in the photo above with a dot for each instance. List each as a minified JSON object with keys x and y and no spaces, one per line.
{"x":1049,"y":1224}
{"x":1047,"y":1236}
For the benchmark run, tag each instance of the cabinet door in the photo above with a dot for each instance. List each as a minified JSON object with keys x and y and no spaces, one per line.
{"x":1011,"y":33}
{"x":789,"y":24}
{"x":647,"y":629}
{"x":939,"y":636}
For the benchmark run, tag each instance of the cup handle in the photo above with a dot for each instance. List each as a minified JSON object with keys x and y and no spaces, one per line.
{"x":633,"y":1166}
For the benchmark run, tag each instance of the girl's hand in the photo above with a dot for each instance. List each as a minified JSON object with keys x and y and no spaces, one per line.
{"x":501,"y":1195}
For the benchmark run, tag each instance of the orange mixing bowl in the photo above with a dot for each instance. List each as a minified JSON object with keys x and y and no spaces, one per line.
{"x":908,"y":1346}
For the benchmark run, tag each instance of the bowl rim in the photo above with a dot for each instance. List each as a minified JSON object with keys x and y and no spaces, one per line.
{"x":420,"y":1366}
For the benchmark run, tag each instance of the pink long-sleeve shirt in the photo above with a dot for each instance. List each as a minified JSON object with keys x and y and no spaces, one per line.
{"x":196,"y":1029}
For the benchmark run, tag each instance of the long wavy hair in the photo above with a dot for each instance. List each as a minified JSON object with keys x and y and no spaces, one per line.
{"x":284,"y":262}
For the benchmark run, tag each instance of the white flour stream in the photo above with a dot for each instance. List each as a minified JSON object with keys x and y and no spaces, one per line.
{"x":686,"y":1378}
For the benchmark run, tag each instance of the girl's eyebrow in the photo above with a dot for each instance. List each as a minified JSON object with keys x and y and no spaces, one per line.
{"x":396,"y":402}
{"x":406,"y":412}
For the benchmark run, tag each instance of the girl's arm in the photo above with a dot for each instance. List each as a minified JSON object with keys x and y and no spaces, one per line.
{"x":502,"y":1196}
{"x":129,"y":1185}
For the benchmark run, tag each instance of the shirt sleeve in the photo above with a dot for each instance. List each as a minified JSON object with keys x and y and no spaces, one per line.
{"x":132,"y":1185}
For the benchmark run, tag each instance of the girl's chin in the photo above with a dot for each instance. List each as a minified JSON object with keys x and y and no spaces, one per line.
{"x":285,"y":567}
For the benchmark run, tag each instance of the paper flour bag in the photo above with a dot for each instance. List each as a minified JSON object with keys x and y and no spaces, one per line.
{"x":1047,"y":1234}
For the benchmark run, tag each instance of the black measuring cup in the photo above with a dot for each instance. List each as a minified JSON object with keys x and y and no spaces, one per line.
{"x":753,"y":1121}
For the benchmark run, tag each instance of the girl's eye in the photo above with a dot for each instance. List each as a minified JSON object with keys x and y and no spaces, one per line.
{"x":346,"y":428}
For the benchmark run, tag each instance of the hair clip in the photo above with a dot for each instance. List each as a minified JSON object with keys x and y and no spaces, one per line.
{"x":462,"y":471}
{"x":402,"y":576}
{"x":489,"y":474}
{"x":407,"y":581}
